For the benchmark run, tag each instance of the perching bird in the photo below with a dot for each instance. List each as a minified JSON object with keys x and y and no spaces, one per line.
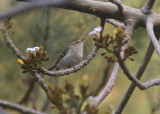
{"x":71,"y":56}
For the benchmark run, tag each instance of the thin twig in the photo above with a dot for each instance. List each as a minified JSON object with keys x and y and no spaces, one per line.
{"x":47,"y":26}
{"x":28,"y":92}
{"x":17,"y":107}
{"x":104,"y":79}
{"x":111,"y":82}
{"x":148,"y":7}
{"x":10,"y":44}
{"x":20,"y":55}
{"x":139,"y":74}
{"x":115,"y":23}
{"x":71,"y":70}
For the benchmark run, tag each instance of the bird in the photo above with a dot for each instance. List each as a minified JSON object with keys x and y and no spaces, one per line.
{"x":71,"y":55}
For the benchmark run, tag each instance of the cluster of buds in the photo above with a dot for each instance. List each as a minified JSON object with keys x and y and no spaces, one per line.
{"x":113,"y":45}
{"x":66,"y":100}
{"x":33,"y":62}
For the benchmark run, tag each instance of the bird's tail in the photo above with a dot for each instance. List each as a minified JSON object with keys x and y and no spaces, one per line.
{"x":53,"y":67}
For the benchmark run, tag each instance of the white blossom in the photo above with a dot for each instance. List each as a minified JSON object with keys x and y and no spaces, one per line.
{"x":36,"y":48}
{"x":32,"y":50}
{"x":98,"y":29}
{"x":95,"y":31}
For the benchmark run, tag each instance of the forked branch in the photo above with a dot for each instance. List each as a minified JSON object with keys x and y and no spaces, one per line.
{"x":148,"y":7}
{"x":119,"y":4}
{"x":141,"y":85}
{"x":139,"y":74}
{"x":111,"y":82}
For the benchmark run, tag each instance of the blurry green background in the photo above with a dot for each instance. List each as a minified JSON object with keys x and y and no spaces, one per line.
{"x":66,"y":26}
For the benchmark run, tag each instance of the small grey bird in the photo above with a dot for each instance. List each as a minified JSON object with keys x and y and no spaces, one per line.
{"x":71,"y":56}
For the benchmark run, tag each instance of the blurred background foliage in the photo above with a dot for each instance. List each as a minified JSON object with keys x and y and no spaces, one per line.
{"x":65,"y":26}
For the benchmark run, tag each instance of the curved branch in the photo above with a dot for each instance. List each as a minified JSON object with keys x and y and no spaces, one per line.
{"x":17,"y":107}
{"x":71,"y":70}
{"x":148,"y":7}
{"x":115,"y":23}
{"x":111,"y":82}
{"x":119,"y":4}
{"x":19,"y":54}
{"x":98,"y":8}
{"x":152,"y":36}
{"x":140,"y":84}
{"x":11,"y":44}
{"x":139,"y":74}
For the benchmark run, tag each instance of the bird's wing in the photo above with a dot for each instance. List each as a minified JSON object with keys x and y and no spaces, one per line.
{"x":61,"y":56}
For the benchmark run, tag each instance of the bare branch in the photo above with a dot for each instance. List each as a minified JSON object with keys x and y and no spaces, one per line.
{"x":111,"y":82}
{"x":42,"y":82}
{"x":71,"y":70}
{"x":115,"y":23}
{"x":20,"y":55}
{"x":141,"y":85}
{"x":107,"y":89}
{"x":139,"y":74}
{"x":17,"y":107}
{"x":152,"y":36}
{"x":10,"y":43}
{"x":119,"y":4}
{"x":148,"y":7}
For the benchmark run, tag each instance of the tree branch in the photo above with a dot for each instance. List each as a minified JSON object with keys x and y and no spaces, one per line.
{"x":152,"y":36}
{"x":20,"y":55}
{"x":98,"y":8}
{"x":10,"y":44}
{"x":119,"y":4}
{"x":141,"y":85}
{"x":22,"y":109}
{"x":115,"y":23}
{"x":71,"y":70}
{"x":148,"y":7}
{"x":112,"y":80}
{"x":139,"y":74}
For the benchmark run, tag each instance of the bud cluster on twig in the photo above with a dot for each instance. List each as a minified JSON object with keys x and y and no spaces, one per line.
{"x":113,"y":45}
{"x":36,"y":56}
{"x":67,"y":101}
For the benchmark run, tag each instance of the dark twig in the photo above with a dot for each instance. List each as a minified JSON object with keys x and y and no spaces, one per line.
{"x":47,"y":26}
{"x":71,"y":70}
{"x":104,"y":79}
{"x":139,"y":74}
{"x":115,"y":23}
{"x":17,"y":107}
{"x":148,"y":7}
{"x":27,"y":94}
